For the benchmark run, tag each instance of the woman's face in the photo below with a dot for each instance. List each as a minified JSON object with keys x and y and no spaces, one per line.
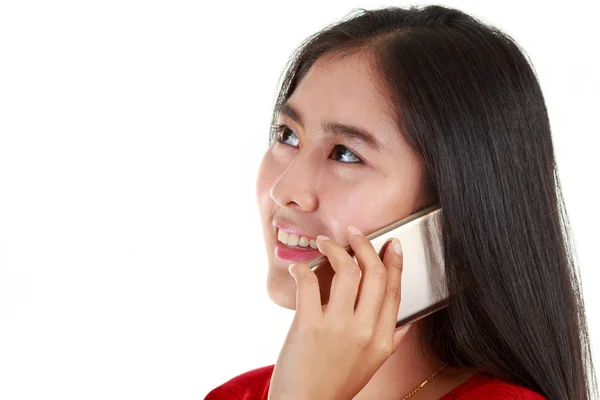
{"x":317,"y":181}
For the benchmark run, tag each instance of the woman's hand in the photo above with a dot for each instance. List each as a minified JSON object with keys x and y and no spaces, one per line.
{"x":331,"y":353}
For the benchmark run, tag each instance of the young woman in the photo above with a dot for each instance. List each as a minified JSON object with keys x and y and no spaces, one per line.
{"x":379,"y":116}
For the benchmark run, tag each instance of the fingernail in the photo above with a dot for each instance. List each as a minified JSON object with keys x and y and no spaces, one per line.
{"x":355,"y":230}
{"x":396,"y":246}
{"x":320,"y":240}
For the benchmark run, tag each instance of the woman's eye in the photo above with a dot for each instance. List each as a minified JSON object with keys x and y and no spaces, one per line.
{"x":286,"y":136}
{"x":343,"y":154}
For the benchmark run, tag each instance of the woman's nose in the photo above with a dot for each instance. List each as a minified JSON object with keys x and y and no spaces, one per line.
{"x":296,"y":186}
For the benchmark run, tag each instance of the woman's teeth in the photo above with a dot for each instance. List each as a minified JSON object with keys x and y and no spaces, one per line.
{"x":291,"y":239}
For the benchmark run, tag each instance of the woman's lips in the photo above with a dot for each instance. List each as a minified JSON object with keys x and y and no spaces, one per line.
{"x":286,"y":253}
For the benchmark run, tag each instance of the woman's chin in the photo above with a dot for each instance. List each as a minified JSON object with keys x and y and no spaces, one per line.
{"x":282,"y":289}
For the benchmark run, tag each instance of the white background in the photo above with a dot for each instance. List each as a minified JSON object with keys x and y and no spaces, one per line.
{"x":131,"y":256}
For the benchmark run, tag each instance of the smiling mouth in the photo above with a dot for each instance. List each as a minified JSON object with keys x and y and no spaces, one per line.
{"x":294,"y":253}
{"x":296,"y":247}
{"x":296,"y":242}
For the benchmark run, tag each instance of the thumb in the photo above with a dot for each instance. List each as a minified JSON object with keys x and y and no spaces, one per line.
{"x":308,"y":297}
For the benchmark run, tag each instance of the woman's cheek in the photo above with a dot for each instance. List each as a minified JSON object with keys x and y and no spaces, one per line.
{"x":348,"y":173}
{"x":338,"y":213}
{"x":363,"y":205}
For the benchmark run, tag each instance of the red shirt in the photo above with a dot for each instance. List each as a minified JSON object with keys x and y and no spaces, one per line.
{"x":254,"y":385}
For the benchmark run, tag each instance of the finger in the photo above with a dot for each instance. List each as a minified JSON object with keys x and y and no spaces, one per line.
{"x":345,"y":282}
{"x":308,"y":297}
{"x":374,"y":278}
{"x":398,"y":336}
{"x":393,"y":260}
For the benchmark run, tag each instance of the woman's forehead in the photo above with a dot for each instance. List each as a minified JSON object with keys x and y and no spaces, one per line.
{"x":347,"y":86}
{"x":344,"y":91}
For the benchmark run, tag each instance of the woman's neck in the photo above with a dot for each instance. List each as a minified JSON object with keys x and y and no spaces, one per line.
{"x":408,"y":367}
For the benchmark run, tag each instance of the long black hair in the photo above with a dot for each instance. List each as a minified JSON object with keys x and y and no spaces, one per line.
{"x":467,"y":99}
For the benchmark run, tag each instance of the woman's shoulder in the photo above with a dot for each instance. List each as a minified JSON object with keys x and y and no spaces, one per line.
{"x":254,"y":385}
{"x":251,"y":385}
{"x":482,"y":386}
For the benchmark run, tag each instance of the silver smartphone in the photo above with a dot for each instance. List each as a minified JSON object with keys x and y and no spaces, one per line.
{"x":424,"y":288}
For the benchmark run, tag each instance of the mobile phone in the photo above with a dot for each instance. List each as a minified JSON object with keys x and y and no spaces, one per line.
{"x":424,"y":289}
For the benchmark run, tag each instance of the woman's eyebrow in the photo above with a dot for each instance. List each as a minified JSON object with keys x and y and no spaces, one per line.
{"x":335,"y":128}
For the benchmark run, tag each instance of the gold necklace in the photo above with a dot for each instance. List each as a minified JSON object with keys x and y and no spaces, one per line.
{"x":415,"y":390}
